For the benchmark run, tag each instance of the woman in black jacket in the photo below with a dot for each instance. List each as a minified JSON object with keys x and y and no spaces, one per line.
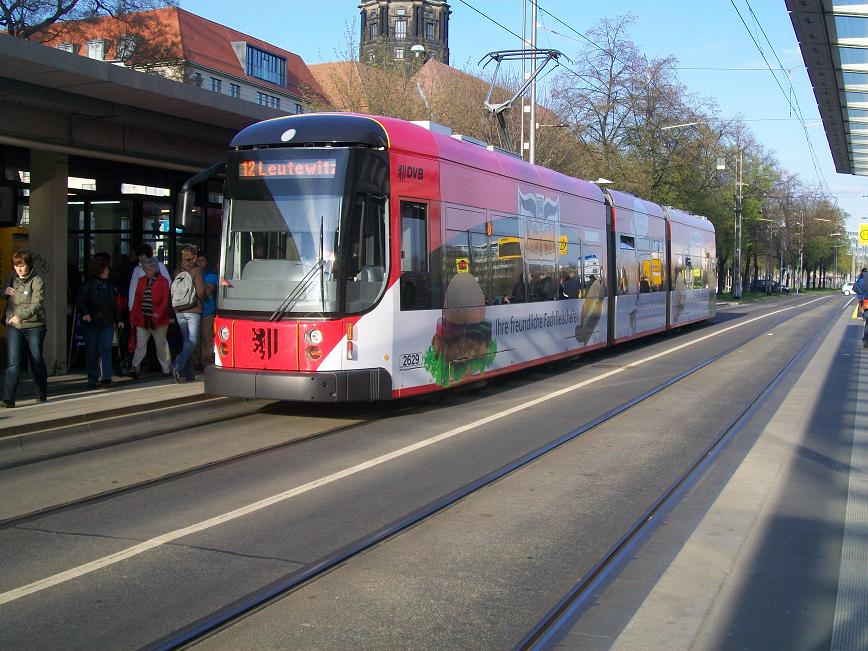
{"x":98,"y":309}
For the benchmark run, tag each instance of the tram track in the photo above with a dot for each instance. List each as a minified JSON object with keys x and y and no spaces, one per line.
{"x":256,"y":601}
{"x":546,"y":630}
{"x":66,"y":436}
{"x":174,"y":476}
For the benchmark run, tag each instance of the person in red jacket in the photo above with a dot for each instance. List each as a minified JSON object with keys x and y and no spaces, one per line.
{"x":150,"y":317}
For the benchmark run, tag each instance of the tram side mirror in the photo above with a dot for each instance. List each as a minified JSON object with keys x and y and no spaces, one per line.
{"x":187,"y":212}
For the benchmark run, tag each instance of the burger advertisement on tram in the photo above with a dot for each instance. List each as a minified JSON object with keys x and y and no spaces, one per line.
{"x":505,"y":302}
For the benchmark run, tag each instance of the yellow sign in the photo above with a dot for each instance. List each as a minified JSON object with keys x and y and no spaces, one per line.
{"x":462,"y":265}
{"x":562,"y":249}
{"x":863,"y":234}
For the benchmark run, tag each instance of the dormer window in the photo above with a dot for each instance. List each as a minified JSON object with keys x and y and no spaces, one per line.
{"x":68,"y":47}
{"x":266,"y":66}
{"x":96,"y":49}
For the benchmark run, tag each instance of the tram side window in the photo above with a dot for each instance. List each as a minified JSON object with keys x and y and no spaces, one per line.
{"x":627,"y":281}
{"x":658,"y":269}
{"x":591,"y":272}
{"x":415,"y":269}
{"x":698,"y":268}
{"x":507,"y":262}
{"x":466,"y":252}
{"x":643,"y":252}
{"x":569,"y":263}
{"x":710,"y":270}
{"x":680,"y":267}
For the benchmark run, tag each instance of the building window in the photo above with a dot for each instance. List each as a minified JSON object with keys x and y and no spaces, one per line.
{"x":265,"y":66}
{"x":216,"y":85}
{"x":268,"y":100}
{"x":197,"y":79}
{"x":375,"y":30}
{"x":399,"y":53}
{"x":429,"y":31}
{"x":400,"y":29}
{"x":96,"y":49}
{"x":299,"y":108}
{"x":234,"y":90}
{"x":68,"y":47}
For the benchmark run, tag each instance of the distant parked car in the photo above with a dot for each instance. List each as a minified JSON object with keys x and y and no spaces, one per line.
{"x":847,"y":289}
{"x":777,"y":288}
{"x":759,"y":285}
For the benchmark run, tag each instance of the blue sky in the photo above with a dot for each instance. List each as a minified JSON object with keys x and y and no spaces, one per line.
{"x":717,"y":58}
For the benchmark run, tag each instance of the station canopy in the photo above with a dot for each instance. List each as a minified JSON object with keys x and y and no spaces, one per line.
{"x":833,"y":37}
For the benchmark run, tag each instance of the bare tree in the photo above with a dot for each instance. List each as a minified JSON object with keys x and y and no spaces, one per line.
{"x":27,"y":18}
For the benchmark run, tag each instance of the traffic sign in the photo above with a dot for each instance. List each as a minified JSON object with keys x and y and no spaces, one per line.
{"x":863,"y":234}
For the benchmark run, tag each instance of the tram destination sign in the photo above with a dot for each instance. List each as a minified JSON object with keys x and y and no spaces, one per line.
{"x":287,"y":169}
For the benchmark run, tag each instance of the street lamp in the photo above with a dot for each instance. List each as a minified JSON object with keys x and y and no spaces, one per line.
{"x":769,"y":256}
{"x":836,"y":246}
{"x":736,"y":254}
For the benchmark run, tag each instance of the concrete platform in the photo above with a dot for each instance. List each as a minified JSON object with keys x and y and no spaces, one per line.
{"x":769,"y":550}
{"x":70,"y":400}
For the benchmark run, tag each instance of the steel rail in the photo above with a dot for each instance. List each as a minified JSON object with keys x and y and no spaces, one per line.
{"x":261,"y":598}
{"x":543,"y":634}
{"x":172,"y":476}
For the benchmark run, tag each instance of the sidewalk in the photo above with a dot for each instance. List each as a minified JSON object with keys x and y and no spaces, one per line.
{"x":767,"y":550}
{"x":70,"y":400}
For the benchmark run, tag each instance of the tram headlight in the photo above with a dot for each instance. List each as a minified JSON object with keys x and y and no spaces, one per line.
{"x":314,"y":352}
{"x":224,"y":333}
{"x":313,"y":337}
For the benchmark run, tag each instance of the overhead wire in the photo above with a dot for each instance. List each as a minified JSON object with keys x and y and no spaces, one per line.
{"x":796,"y":108}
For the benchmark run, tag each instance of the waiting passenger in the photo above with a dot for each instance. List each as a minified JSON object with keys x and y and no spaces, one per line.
{"x":143,"y":252}
{"x":97,"y":307}
{"x":25,"y":327}
{"x":150,"y":317}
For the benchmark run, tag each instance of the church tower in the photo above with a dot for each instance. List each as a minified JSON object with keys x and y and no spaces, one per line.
{"x":408,"y":31}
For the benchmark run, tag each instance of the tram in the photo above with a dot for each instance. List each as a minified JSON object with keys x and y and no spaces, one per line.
{"x":368,"y":258}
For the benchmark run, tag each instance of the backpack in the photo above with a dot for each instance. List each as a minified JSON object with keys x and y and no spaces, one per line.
{"x":184,"y":292}
{"x":859,"y":286}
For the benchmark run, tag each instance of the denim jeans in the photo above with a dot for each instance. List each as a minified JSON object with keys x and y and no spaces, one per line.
{"x":98,"y":352}
{"x":188,"y":322}
{"x":21,"y":342}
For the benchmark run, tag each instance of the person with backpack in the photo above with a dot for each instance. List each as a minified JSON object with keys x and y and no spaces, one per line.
{"x":187,"y":293}
{"x":860,"y":289}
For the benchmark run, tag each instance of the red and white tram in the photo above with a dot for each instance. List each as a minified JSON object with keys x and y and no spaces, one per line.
{"x":370,"y":258}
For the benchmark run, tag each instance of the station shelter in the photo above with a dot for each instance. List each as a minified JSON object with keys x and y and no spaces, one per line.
{"x":92,"y":157}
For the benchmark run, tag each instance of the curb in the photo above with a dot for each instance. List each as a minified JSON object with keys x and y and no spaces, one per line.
{"x":69,"y":435}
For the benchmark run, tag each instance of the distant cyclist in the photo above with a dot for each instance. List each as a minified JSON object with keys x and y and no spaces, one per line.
{"x":861,"y":289}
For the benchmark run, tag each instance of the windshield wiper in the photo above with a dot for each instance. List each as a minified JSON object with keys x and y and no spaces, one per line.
{"x":295,"y":295}
{"x":321,"y":262}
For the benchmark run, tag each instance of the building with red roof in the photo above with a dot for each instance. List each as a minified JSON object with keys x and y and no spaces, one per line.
{"x":180,"y":45}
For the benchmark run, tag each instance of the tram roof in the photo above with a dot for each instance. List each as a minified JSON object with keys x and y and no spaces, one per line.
{"x":627,"y":201}
{"x":689,"y":219}
{"x":318,"y":128}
